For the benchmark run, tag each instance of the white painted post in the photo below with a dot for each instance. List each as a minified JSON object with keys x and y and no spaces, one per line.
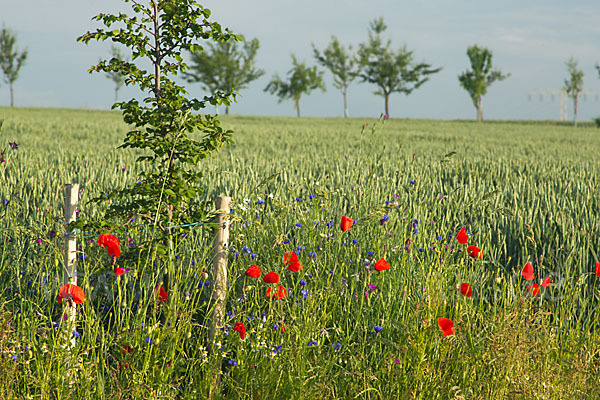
{"x":219,"y":270}
{"x":71,"y":199}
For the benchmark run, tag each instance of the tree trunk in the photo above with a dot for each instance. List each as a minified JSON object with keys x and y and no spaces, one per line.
{"x":479,"y":110}
{"x":226,"y":110}
{"x":575,"y":102}
{"x":387,"y":105}
{"x":157,"y":59}
{"x":345,"y":103}
{"x":12,"y":96}
{"x":298,"y":106}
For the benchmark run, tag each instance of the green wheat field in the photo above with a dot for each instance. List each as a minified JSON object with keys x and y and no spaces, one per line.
{"x":525,"y":192}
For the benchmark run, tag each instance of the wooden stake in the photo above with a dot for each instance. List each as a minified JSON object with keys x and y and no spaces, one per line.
{"x":219,"y":271}
{"x":71,"y":199}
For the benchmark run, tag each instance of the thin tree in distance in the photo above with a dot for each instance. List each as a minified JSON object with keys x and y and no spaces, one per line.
{"x":116,"y":76}
{"x":391,"y":71}
{"x":480,"y":77}
{"x":300,"y":80}
{"x":11,"y":60}
{"x":574,"y":85}
{"x":343,"y":65}
{"x":225,"y":66}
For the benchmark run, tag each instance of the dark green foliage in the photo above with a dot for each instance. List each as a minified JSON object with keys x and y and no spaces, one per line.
{"x":11,"y":60}
{"x":480,"y":77}
{"x":301,"y":80}
{"x":391,"y":71}
{"x":164,"y":126}
{"x":225,"y":66}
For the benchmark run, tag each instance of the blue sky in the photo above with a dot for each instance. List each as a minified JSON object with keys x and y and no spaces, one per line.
{"x":529,"y":39}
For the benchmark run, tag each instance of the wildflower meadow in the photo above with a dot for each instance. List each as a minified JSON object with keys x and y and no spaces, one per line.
{"x":368,"y":258}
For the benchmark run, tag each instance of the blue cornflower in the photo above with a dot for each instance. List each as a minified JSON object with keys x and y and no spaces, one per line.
{"x":337,"y":346}
{"x":260,"y":201}
{"x":312,"y":196}
{"x":298,"y":225}
{"x":298,"y":199}
{"x":300,"y":248}
{"x":313,"y":343}
{"x":233,"y":363}
{"x":438,"y":237}
{"x":148,"y":340}
{"x":305,"y":293}
{"x":312,"y":254}
{"x":76,"y":334}
{"x":412,"y":182}
{"x":275,"y":326}
{"x":277,"y":349}
{"x":421,"y":250}
{"x":253,"y":255}
{"x":377,"y":328}
{"x":303,"y":282}
{"x":354,"y":241}
{"x":370,"y":253}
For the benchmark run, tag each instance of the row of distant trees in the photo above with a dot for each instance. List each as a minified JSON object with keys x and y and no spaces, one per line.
{"x":227,"y":66}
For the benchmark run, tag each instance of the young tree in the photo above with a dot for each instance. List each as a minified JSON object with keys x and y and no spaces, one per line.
{"x":115,"y":76}
{"x":166,"y":128}
{"x":344,"y":66}
{"x":225,"y":66}
{"x":11,"y":60}
{"x":389,"y":70}
{"x":574,"y":85}
{"x":301,"y":80}
{"x":481,"y":76}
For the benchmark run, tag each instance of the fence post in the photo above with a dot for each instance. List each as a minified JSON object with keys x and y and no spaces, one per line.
{"x":219,"y":268}
{"x":71,"y":199}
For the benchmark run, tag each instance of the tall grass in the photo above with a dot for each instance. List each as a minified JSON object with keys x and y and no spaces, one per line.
{"x":526,"y":192}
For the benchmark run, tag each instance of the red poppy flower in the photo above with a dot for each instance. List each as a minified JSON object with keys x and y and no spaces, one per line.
{"x":597,"y":269}
{"x":462,"y":236}
{"x":241,"y":329}
{"x":271,"y":277}
{"x":119,"y":271}
{"x":474,"y":251}
{"x":111,"y":243}
{"x":162,"y":294}
{"x":290,"y":257}
{"x":295,"y":267}
{"x":71,"y":292}
{"x":533,"y":289}
{"x":546,"y":282}
{"x":281,"y":293}
{"x":528,"y":272}
{"x":466,"y":289}
{"x":446,"y":326}
{"x":283,"y":328}
{"x":382,"y":265}
{"x":127,"y":349}
{"x":253,"y":271}
{"x":346,"y":223}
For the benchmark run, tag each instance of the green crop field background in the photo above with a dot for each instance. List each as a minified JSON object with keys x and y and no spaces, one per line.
{"x":525,"y":192}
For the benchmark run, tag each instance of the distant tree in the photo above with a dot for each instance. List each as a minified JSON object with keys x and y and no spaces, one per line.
{"x":344,"y":66}
{"x":391,"y":71}
{"x":225,"y":66}
{"x":480,"y":77}
{"x":301,"y":80}
{"x":11,"y":60}
{"x":116,"y":76}
{"x":574,"y":85}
